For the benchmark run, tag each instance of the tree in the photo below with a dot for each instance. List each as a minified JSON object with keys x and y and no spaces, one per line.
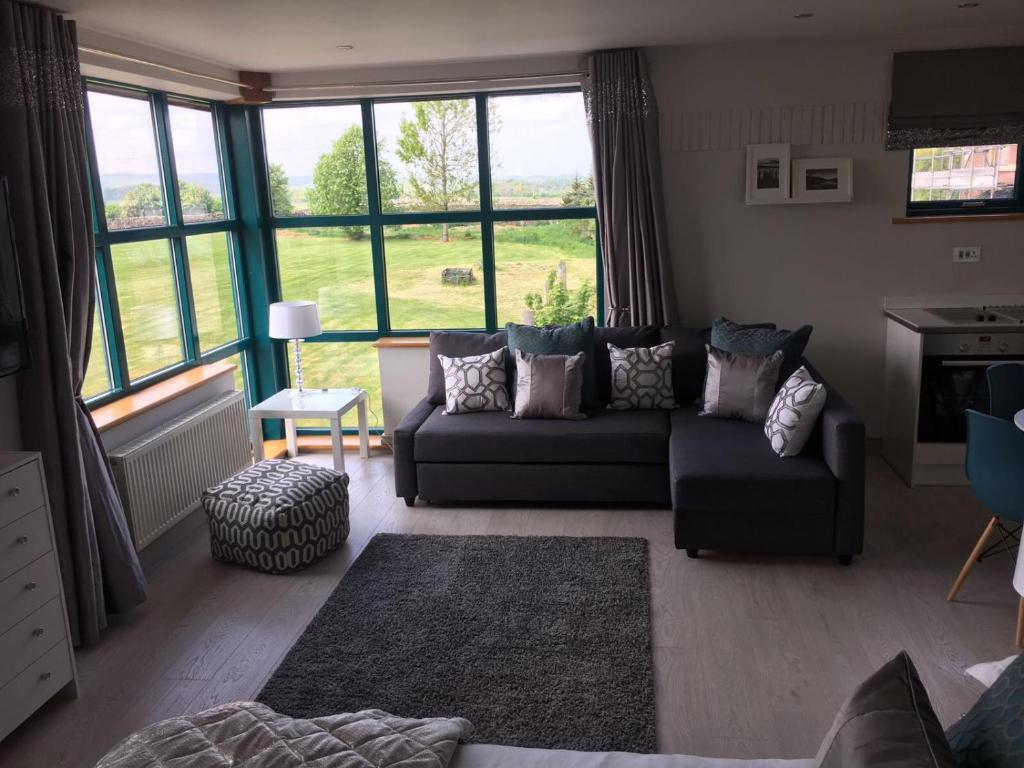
{"x":141,"y":201}
{"x":580,"y":194}
{"x":560,"y":306}
{"x":339,"y":181}
{"x":197,"y":199}
{"x":439,"y":146}
{"x":280,"y":195}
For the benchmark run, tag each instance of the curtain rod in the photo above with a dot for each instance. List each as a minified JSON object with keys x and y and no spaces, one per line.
{"x":166,"y":67}
{"x":428,"y":81}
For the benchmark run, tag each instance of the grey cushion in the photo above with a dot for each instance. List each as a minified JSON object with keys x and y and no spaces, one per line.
{"x":617,"y":437}
{"x":724,"y":464}
{"x":476,"y":383}
{"x":689,"y":360}
{"x":762,"y":340}
{"x":991,"y":734}
{"x":740,"y":386}
{"x":558,"y":340}
{"x":456,"y":344}
{"x":548,"y":386}
{"x":887,"y":722}
{"x":622,"y":337}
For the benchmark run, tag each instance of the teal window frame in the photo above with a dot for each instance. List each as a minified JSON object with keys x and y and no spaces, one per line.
{"x":376,"y":220}
{"x":175,"y":232}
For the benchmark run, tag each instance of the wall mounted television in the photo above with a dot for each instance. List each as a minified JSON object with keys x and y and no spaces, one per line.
{"x":13,"y":332}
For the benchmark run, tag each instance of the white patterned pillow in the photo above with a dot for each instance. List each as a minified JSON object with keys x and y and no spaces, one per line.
{"x":642,"y":377}
{"x":793,"y":413}
{"x":477,"y":383}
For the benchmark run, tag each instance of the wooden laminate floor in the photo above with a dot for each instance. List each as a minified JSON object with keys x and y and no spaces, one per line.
{"x":753,"y":655}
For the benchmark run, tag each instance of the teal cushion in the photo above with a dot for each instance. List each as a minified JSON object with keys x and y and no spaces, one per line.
{"x":557,"y":340}
{"x":749,"y":340}
{"x":991,"y":734}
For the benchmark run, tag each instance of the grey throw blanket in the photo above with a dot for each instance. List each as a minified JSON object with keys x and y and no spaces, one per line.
{"x":250,"y":735}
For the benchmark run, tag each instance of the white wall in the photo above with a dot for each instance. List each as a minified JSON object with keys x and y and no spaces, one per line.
{"x":828,"y":264}
{"x":10,"y":429}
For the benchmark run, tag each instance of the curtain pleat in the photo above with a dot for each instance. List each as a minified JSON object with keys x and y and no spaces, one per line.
{"x":623,"y":117}
{"x":43,"y":155}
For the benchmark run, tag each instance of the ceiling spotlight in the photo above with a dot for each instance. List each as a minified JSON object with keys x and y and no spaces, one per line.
{"x":967,"y":5}
{"x":803,"y":15}
{"x":344,"y":47}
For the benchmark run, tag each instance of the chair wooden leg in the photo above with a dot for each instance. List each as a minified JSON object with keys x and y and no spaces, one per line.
{"x":1020,"y":624}
{"x":975,"y":553}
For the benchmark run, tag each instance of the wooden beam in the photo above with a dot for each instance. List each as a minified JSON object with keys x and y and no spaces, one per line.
{"x":957,"y":218}
{"x":256,"y":91}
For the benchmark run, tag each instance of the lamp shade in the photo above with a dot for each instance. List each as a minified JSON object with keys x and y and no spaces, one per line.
{"x":294,"y":320}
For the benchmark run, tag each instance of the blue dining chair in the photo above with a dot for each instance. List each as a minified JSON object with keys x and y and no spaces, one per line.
{"x":1006,"y":389}
{"x":995,"y":467}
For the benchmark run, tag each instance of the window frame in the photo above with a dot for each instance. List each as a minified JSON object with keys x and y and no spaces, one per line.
{"x":175,"y":232}
{"x":1014,"y":204}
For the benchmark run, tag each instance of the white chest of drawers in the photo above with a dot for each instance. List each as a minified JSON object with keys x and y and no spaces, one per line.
{"x":36,"y":658}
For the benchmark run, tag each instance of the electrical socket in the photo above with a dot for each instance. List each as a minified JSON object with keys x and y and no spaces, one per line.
{"x":966,"y":254}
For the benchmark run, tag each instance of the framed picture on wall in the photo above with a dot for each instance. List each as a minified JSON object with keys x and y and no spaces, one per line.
{"x":767,"y":173}
{"x":823,"y":180}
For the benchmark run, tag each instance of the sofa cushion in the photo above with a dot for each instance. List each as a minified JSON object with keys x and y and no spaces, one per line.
{"x":721,"y":464}
{"x":689,"y":360}
{"x":604,"y":437}
{"x":623,"y":337}
{"x":557,"y":340}
{"x":991,"y":734}
{"x":762,"y":340}
{"x":456,"y":344}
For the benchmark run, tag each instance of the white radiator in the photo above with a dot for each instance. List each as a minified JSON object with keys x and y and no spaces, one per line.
{"x":162,"y":474}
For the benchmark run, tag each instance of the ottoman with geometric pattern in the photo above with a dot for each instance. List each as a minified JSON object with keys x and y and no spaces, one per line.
{"x":278,"y":516}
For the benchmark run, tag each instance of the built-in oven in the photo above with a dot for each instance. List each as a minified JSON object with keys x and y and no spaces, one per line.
{"x":953,"y":380}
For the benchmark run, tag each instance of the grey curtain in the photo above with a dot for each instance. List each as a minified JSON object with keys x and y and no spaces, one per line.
{"x":43,"y":156}
{"x":623,"y":118}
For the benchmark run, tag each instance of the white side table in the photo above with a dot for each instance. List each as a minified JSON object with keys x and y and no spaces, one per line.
{"x":328,"y":404}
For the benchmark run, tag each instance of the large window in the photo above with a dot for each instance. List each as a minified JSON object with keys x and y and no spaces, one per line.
{"x":402,"y":216}
{"x":960,"y":180}
{"x":166,"y":245}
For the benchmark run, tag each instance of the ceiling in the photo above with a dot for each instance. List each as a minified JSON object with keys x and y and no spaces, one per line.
{"x":302,"y":35}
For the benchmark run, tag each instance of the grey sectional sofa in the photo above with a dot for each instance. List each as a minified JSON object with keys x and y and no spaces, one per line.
{"x":727,"y":488}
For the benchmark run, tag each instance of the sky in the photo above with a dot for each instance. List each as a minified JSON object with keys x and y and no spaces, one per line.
{"x":540,"y":135}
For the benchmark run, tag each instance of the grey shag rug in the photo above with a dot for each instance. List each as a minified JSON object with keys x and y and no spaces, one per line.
{"x":537,"y":641}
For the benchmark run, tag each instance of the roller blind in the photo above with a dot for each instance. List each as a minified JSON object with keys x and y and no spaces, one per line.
{"x":956,"y":97}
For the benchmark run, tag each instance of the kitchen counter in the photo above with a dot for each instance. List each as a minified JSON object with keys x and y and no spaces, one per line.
{"x":919,"y":319}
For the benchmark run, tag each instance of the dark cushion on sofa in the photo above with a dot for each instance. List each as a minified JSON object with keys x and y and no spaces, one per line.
{"x":991,"y":734}
{"x":456,"y":344}
{"x":566,"y":339}
{"x":689,"y":360}
{"x":720,"y":464}
{"x":623,"y":338}
{"x":616,"y":437}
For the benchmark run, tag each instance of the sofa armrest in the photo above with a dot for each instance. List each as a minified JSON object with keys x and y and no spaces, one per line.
{"x":405,"y":462}
{"x":843,"y":448}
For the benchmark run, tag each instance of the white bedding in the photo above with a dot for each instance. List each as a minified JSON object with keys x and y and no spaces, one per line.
{"x":491,"y":756}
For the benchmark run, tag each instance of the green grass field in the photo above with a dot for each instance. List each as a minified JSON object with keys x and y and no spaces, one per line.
{"x":329,"y":266}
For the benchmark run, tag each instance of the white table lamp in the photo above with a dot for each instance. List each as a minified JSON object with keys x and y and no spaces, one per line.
{"x":294,"y":321}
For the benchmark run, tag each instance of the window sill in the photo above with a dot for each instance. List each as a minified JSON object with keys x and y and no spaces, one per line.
{"x":958,"y":218}
{"x":402,"y":342}
{"x":118,"y":412}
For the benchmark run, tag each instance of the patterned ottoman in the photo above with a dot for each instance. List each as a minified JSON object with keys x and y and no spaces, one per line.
{"x":278,"y":516}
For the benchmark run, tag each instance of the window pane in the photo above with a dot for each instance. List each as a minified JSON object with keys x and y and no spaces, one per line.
{"x":209,"y":266}
{"x":340,"y":364}
{"x":148,"y":302}
{"x":427,"y":155}
{"x":316,"y":160}
{"x":122,"y":129}
{"x":527,"y":254}
{"x":540,"y":151}
{"x":434,"y":276}
{"x":195,"y":160}
{"x":97,"y":373}
{"x":986,"y":172}
{"x":332,"y":266}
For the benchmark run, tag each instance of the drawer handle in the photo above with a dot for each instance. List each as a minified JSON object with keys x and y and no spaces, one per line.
{"x":21,"y":540}
{"x":45,"y":676}
{"x":38,"y":632}
{"x":30,"y":586}
{"x":15,"y":491}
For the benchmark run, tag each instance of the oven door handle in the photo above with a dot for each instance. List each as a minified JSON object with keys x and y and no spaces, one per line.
{"x":969,"y":363}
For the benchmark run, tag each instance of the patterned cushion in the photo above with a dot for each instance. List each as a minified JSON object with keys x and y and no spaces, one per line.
{"x":793,"y":413}
{"x":642,"y":377}
{"x":740,"y":386}
{"x":991,"y":734}
{"x":548,"y":386}
{"x":755,"y":340}
{"x":278,"y":516}
{"x":477,"y":383}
